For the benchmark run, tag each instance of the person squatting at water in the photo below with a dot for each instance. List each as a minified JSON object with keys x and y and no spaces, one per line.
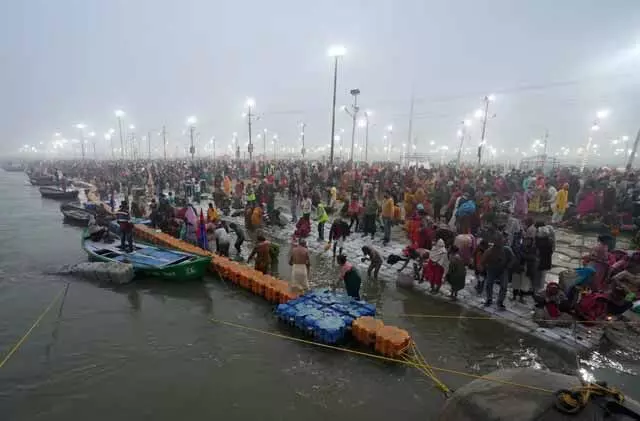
{"x":372,"y":255}
{"x":262,"y":253}
{"x":240,"y":237}
{"x":300,"y":266}
{"x":223,"y":240}
{"x":350,"y":277}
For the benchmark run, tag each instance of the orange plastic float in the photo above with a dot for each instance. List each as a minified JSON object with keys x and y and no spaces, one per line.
{"x":387,"y":340}
{"x":392,"y":341}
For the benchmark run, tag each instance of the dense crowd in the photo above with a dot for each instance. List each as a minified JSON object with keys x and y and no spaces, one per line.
{"x":500,"y":223}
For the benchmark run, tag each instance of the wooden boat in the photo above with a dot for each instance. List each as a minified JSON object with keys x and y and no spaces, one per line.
{"x":148,"y":260}
{"x":76,"y":214}
{"x":57,"y":193}
{"x":43,"y":180}
{"x":10,"y":167}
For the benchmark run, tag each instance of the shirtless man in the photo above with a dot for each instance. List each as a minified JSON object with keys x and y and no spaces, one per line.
{"x":376,"y":261}
{"x":300,"y":266}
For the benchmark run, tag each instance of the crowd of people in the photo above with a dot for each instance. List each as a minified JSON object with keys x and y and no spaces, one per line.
{"x":498,"y":223}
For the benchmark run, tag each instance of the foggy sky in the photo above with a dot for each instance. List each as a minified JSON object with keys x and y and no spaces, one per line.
{"x":551,"y":63}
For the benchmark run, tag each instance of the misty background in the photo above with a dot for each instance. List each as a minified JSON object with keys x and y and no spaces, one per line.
{"x":551,"y":64}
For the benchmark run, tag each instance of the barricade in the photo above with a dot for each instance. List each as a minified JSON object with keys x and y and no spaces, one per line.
{"x":326,"y":316}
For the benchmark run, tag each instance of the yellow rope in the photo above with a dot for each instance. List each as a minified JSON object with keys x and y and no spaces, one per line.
{"x":33,"y":326}
{"x":378,"y":357}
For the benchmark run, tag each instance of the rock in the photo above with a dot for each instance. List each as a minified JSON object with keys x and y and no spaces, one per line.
{"x":484,"y":400}
{"x":114,"y":273}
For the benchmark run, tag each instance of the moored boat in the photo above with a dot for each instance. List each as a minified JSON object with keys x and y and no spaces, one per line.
{"x":42,"y":180}
{"x":57,"y":193}
{"x":12,"y":167}
{"x":75,"y":214}
{"x":148,"y":260}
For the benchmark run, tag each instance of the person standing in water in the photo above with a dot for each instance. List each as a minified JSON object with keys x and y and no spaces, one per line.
{"x":350,"y":276}
{"x":262,"y":253}
{"x":300,"y":266}
{"x":376,"y":261}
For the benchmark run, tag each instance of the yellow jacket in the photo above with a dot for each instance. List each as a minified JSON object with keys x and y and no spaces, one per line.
{"x":562,"y":200}
{"x":212,"y":215}
{"x":387,"y":208}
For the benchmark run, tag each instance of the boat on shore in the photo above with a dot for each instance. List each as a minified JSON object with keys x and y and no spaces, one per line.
{"x":43,"y":180}
{"x":76,"y":214}
{"x":148,"y":260}
{"x":12,"y":167}
{"x":58,"y":193}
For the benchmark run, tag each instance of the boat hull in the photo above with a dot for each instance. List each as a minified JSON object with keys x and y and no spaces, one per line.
{"x":192,"y":268}
{"x":57,"y":194}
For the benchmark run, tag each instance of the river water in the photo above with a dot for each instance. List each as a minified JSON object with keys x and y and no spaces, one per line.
{"x":151,"y":351}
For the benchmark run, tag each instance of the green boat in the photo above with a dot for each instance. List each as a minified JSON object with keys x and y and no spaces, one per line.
{"x":148,"y":260}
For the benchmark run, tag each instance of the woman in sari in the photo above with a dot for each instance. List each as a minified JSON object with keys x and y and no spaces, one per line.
{"x":599,"y":261}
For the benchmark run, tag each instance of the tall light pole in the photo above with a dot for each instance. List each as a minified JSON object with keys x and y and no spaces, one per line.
{"x":92,"y":135}
{"x":302,"y":127}
{"x":353,"y":113}
{"x":109,"y":138}
{"x":336,"y":52}
{"x":81,"y":127}
{"x":485,"y":115}
{"x":149,"y":145}
{"x":119,"y":115}
{"x":264,"y":143}
{"x":213,"y":147}
{"x":251,"y":104}
{"x":600,"y":115}
{"x":191,"y":121}
{"x":462,"y":132}
{"x":164,"y":141}
{"x":365,"y":123}
{"x":132,"y":141}
{"x":388,"y":139}
{"x":275,"y":145}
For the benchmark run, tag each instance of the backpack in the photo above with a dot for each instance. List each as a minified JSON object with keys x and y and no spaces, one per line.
{"x":466,"y":208}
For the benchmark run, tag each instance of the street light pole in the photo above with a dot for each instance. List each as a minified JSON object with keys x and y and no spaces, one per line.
{"x":191,"y":121}
{"x":250,"y":105}
{"x":335,"y":52}
{"x":462,"y":132}
{"x":81,"y":127}
{"x":302,"y":125}
{"x":119,"y":114}
{"x":354,"y":116}
{"x":264,"y":143}
{"x":164,"y":141}
{"x":484,"y":128}
{"x":600,"y":115}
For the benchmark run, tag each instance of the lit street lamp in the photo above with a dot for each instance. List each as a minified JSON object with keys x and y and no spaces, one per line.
{"x":484,"y":115}
{"x":336,"y":52}
{"x":600,"y":115}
